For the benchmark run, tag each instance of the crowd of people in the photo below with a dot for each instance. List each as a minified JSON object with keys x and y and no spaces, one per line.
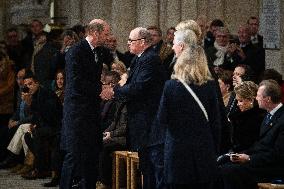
{"x":198,"y":106}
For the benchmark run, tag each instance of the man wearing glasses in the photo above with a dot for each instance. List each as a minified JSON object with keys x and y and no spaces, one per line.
{"x":142,"y":93}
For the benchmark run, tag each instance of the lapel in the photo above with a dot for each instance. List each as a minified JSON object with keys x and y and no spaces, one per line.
{"x":133,"y":67}
{"x":265,"y":128}
{"x":88,"y":50}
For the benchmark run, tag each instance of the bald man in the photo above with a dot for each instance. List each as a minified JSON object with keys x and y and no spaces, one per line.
{"x":81,"y":133}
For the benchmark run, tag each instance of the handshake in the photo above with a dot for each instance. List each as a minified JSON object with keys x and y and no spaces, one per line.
{"x":107,"y":92}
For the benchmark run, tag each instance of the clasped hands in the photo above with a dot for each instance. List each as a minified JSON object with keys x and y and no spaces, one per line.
{"x":107,"y":92}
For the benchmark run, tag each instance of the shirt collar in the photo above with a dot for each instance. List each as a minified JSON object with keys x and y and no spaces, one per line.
{"x":272,"y":112}
{"x":92,"y":47}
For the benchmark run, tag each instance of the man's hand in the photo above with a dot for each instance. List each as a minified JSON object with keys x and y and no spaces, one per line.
{"x":107,"y":93}
{"x":106,"y":136}
{"x":12,"y":124}
{"x":239,"y":158}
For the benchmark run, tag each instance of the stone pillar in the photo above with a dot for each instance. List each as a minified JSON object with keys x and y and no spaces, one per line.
{"x":148,"y":13}
{"x":75,"y":12}
{"x":215,"y":9}
{"x":188,"y":10}
{"x":2,"y":19}
{"x":122,"y":24}
{"x":173,"y":13}
{"x":96,"y":9}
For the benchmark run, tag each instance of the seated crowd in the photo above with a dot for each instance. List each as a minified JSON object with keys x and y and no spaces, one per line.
{"x":32,"y":80}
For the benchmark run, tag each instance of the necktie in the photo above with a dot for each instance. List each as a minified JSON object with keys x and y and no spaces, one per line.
{"x":267,"y":119}
{"x":96,"y":55}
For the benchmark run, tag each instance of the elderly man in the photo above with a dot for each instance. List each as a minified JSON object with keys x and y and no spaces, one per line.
{"x":142,"y":93}
{"x":81,"y":133}
{"x":264,"y":160}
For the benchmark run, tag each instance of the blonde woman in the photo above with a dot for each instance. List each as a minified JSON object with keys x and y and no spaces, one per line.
{"x":246,"y":123}
{"x":191,"y":131}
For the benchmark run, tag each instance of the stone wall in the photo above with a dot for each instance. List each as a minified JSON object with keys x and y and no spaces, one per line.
{"x":124,"y":15}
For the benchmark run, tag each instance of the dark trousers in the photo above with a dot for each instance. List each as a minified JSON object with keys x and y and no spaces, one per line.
{"x":247,"y":175}
{"x":105,"y":161}
{"x":81,"y":169}
{"x":43,"y":141}
{"x":146,"y":169}
{"x":6,"y":134}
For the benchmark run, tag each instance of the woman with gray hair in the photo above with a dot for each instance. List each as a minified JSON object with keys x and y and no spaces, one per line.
{"x":191,"y":122}
{"x":183,"y":39}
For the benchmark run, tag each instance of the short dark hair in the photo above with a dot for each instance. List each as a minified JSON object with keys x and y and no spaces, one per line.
{"x":217,"y":22}
{"x":30,"y":75}
{"x":78,"y":28}
{"x":171,"y":28}
{"x":227,"y":77}
{"x":38,"y":21}
{"x":272,"y":74}
{"x":272,"y":89}
{"x":12,"y":29}
{"x":115,"y":76}
{"x":249,"y":74}
{"x":252,"y":18}
{"x":155,"y":28}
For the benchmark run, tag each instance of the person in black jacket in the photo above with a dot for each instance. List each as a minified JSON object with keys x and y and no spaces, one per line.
{"x":45,"y":127}
{"x":264,"y":160}
{"x":246,"y":123}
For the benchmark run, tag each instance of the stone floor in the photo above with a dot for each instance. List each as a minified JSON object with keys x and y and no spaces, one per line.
{"x":11,"y":181}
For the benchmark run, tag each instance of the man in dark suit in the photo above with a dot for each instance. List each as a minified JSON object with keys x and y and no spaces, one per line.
{"x":142,"y":93}
{"x":81,"y":133}
{"x":256,"y":39}
{"x":264,"y":160}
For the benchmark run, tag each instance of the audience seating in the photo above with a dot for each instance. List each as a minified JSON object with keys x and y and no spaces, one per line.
{"x":131,"y":160}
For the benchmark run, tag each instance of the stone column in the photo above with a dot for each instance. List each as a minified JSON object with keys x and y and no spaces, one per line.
{"x":173,"y":13}
{"x":2,"y":19}
{"x":123,"y":20}
{"x":75,"y":11}
{"x":189,"y":9}
{"x":215,"y":9}
{"x":147,"y":13}
{"x":96,"y":9}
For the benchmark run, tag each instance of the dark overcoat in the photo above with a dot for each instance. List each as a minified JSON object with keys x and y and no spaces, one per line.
{"x":191,"y":141}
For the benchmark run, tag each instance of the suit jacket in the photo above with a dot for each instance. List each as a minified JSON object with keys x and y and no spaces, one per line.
{"x":142,"y":93}
{"x":44,"y":65}
{"x":81,"y":124}
{"x":190,"y":141}
{"x":230,"y":62}
{"x":268,"y":152}
{"x":46,"y":109}
{"x":246,"y":126}
{"x":255,"y":58}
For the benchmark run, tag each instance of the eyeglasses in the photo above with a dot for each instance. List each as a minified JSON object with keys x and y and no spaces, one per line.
{"x":131,"y":40}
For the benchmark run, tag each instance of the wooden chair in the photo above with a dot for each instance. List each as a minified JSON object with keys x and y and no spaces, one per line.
{"x":133,"y":170}
{"x":118,"y":158}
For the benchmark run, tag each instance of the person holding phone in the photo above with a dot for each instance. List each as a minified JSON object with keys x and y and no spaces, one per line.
{"x":264,"y":161}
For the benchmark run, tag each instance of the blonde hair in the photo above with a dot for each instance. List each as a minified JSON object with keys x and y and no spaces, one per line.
{"x":190,"y":25}
{"x":191,"y":66}
{"x":188,"y":37}
{"x":120,"y":65}
{"x":246,"y":90}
